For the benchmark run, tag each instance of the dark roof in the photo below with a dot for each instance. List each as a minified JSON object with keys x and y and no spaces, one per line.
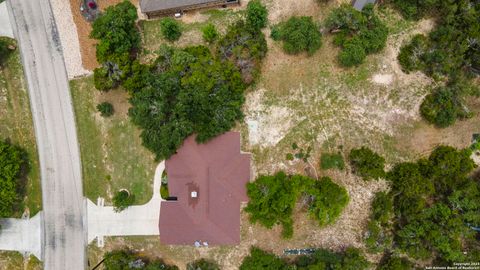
{"x":218,"y":172}
{"x":154,"y":5}
{"x":359,"y":4}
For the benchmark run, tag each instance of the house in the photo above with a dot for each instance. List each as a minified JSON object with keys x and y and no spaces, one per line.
{"x":207,"y":184}
{"x":154,"y":8}
{"x":359,"y":4}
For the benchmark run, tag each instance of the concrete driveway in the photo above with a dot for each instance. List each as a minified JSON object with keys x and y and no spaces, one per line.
{"x":21,"y":235}
{"x":135,"y":220}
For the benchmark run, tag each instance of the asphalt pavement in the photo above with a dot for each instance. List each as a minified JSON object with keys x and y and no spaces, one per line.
{"x":64,"y":237}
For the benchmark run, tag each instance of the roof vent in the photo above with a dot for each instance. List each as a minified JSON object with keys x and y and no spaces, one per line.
{"x":194,"y":194}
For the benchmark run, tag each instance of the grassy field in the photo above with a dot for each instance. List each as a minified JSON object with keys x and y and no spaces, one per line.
{"x":111,"y":151}
{"x":16,"y":125}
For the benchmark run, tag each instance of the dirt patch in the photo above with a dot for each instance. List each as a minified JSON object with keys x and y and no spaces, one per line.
{"x":87,"y":45}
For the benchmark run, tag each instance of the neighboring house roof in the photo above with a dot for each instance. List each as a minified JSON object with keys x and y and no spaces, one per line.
{"x":359,"y":4}
{"x":218,"y":172}
{"x":154,"y":5}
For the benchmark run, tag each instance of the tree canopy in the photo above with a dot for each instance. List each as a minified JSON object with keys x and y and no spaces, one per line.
{"x":359,"y":33}
{"x":257,"y":15}
{"x":449,"y":52}
{"x":262,"y":260}
{"x":12,"y":159}
{"x":122,"y":200}
{"x":116,"y":31}
{"x":366,"y":163}
{"x":273,"y":198}
{"x":171,"y":29}
{"x":435,"y":204}
{"x":299,"y":34}
{"x":188,"y":91}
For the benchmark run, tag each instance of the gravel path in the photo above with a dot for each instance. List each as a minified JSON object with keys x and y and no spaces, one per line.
{"x":68,"y":38}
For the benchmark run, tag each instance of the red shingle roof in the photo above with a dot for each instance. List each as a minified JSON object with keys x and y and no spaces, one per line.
{"x":218,"y":172}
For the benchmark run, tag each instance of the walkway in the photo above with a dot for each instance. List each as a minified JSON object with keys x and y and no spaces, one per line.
{"x":5,"y":26}
{"x":135,"y":220}
{"x":63,"y":238}
{"x":21,"y":235}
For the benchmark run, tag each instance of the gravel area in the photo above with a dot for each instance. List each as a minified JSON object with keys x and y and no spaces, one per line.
{"x":68,"y":38}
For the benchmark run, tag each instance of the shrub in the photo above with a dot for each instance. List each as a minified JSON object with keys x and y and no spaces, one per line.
{"x":442,"y":107}
{"x":170,"y":29}
{"x":122,"y":200}
{"x":350,"y":259}
{"x":210,"y":33}
{"x":105,"y":109}
{"x":4,"y":50}
{"x":243,"y":47}
{"x":125,"y":259}
{"x":256,"y":15}
{"x":261,"y":260}
{"x":298,"y":34}
{"x":396,"y":263}
{"x":367,"y":164}
{"x":101,"y":79}
{"x":272,"y":199}
{"x":353,"y":53}
{"x":116,"y":31}
{"x":379,"y":236}
{"x":332,"y":161}
{"x":164,"y":191}
{"x":410,"y":54}
{"x":203,"y":264}
{"x":12,"y":160}
{"x":325,"y":199}
{"x":382,"y":207}
{"x":358,"y":33}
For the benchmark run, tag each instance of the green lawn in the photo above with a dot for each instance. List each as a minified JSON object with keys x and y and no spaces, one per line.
{"x":111,"y":151}
{"x":16,"y":125}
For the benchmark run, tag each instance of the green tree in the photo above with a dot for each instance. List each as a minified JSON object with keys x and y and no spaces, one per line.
{"x":396,"y":263}
{"x":350,"y":259}
{"x":4,"y":49}
{"x":203,"y":264}
{"x":116,"y":31}
{"x":325,"y":199}
{"x":271,"y":201}
{"x":122,"y":200}
{"x":189,"y":92}
{"x":209,"y":33}
{"x":358,"y":33}
{"x":366,"y":163}
{"x":261,"y":260}
{"x":105,"y":109}
{"x":298,"y":34}
{"x":379,"y":236}
{"x":245,"y":48}
{"x":12,"y":160}
{"x":171,"y":29}
{"x":257,"y":15}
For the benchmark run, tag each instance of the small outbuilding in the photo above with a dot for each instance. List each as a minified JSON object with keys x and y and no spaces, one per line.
{"x":207,"y":184}
{"x":359,"y":4}
{"x":153,"y":8}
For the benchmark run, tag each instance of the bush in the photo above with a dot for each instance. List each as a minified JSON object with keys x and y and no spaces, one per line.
{"x":298,"y":34}
{"x":122,"y":200}
{"x":12,"y":160}
{"x":396,"y":263}
{"x":126,"y":260}
{"x":325,"y":199}
{"x":353,"y":53}
{"x":358,"y":33}
{"x":350,"y":259}
{"x":382,"y":207}
{"x":243,"y":47}
{"x":210,"y":33}
{"x":272,"y":199}
{"x":331,"y":161}
{"x":105,"y":109}
{"x":256,"y":15}
{"x":4,"y":50}
{"x":116,"y":31}
{"x":101,"y":79}
{"x":171,"y":29}
{"x":261,"y":260}
{"x":203,"y":264}
{"x":410,"y":54}
{"x":164,"y":191}
{"x":444,"y":106}
{"x":379,"y":236}
{"x":367,"y":164}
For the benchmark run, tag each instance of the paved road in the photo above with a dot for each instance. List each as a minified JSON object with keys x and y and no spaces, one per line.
{"x":63,"y":237}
